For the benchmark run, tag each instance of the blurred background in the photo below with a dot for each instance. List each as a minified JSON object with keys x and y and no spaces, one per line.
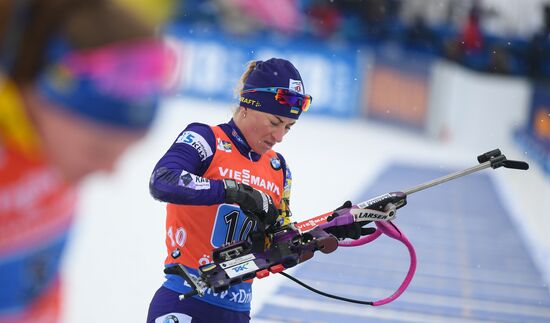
{"x":403,"y":92}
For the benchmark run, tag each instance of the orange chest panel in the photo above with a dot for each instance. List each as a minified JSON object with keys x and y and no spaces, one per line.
{"x":193,"y":231}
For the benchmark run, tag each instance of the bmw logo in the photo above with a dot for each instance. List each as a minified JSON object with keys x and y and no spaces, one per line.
{"x":171,"y":319}
{"x":176,"y":253}
{"x":276,"y":163}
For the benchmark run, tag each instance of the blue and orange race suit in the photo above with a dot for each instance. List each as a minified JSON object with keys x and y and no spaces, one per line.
{"x":190,"y":177}
{"x":36,"y":210}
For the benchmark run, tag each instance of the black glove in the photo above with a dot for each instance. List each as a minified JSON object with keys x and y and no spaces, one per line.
{"x":251,"y":201}
{"x":353,"y":230}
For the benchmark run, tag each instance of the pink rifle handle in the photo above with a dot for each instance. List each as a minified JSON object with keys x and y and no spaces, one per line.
{"x":391,"y":230}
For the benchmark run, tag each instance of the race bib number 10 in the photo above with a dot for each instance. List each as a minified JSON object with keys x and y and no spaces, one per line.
{"x":231,"y":224}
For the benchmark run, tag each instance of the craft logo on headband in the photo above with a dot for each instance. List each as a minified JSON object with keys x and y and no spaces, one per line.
{"x":118,"y":84}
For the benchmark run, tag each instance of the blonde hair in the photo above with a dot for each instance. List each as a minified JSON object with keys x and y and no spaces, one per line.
{"x":240,"y":85}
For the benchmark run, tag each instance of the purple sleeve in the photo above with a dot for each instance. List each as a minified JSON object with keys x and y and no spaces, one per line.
{"x":177,"y":177}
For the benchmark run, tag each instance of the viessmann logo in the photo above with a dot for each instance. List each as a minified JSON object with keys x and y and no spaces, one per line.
{"x":244,"y":176}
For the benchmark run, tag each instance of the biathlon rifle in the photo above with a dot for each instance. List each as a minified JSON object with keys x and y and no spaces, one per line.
{"x":295,"y":243}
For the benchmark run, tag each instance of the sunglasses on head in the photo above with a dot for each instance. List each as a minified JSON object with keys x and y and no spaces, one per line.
{"x":286,"y":96}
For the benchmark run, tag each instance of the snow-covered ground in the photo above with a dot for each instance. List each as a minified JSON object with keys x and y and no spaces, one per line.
{"x":115,"y":259}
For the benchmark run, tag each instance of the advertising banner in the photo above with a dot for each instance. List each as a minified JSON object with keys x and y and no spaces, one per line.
{"x":535,"y":136}
{"x":398,"y":89}
{"x":211,"y":66}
